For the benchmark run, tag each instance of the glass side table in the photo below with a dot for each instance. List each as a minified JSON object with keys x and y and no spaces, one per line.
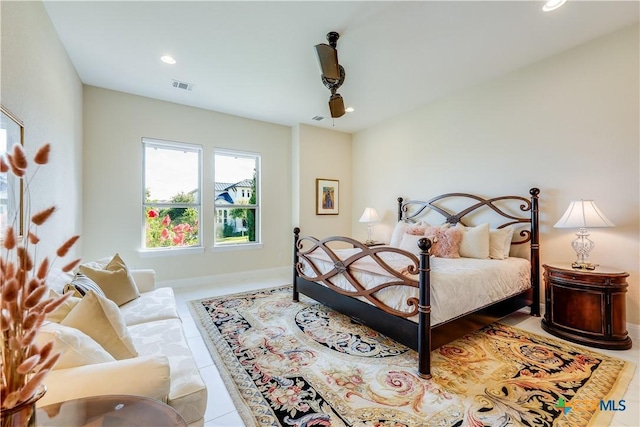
{"x":109,"y":411}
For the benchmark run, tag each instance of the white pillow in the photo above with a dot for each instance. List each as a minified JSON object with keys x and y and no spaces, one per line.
{"x":500,"y":242}
{"x":409,"y":243}
{"x":396,"y":236}
{"x":100,"y":318}
{"x":475,"y":241}
{"x":75,"y":347}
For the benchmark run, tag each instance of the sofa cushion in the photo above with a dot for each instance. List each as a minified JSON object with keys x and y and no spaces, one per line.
{"x":158,"y":304}
{"x":115,"y":280}
{"x":100,"y":318}
{"x":188,"y":393}
{"x":75,"y":347}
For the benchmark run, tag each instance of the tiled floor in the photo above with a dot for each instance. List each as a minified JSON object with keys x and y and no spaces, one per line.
{"x":220,"y":409}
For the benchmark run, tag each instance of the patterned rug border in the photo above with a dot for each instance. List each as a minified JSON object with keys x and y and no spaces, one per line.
{"x":204,"y":326}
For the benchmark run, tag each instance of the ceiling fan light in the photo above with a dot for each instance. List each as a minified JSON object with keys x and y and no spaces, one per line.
{"x":336,"y":105}
{"x":328,"y":59}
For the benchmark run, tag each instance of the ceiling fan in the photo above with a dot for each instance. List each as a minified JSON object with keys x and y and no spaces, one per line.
{"x":332,"y":72}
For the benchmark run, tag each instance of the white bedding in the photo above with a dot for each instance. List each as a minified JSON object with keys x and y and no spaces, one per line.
{"x":458,"y":285}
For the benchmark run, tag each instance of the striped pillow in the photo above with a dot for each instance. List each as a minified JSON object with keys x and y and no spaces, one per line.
{"x":81,"y":284}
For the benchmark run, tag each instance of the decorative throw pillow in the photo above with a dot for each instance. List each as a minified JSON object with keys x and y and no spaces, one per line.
{"x":80,"y":285}
{"x":475,"y":241}
{"x":63,"y":309}
{"x":100,"y":318}
{"x":416,"y":230}
{"x":114,"y":280}
{"x":398,"y":232}
{"x":75,"y":347}
{"x":445,"y":242}
{"x":500,"y":242}
{"x":409,"y":243}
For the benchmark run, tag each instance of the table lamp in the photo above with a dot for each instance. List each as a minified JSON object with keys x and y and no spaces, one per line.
{"x":369,"y":216}
{"x":583,"y":214}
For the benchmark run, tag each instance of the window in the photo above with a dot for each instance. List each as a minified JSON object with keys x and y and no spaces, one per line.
{"x":237,"y":201}
{"x":172,"y":196}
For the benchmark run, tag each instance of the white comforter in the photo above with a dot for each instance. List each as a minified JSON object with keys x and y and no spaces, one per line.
{"x":458,"y":285}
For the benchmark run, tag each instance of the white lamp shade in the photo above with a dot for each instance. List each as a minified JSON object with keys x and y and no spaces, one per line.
{"x":369,"y":215}
{"x":583,"y":214}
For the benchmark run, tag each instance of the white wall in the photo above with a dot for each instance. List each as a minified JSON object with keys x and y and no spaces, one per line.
{"x":326,"y":154}
{"x":114,"y":125}
{"x":568,"y":125}
{"x":40,"y":86}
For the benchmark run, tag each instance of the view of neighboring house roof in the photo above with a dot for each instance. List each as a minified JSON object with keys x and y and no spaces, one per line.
{"x":224,"y":196}
{"x":222,"y":189}
{"x":225,"y":186}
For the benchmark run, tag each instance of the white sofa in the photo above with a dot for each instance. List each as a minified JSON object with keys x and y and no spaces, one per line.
{"x":164,"y":368}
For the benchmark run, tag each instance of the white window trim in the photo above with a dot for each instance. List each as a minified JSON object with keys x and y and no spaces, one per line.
{"x":258,"y":206}
{"x":173,"y":250}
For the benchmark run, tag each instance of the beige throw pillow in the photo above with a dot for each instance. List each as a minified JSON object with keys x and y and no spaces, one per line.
{"x":500,"y":242}
{"x":115,"y":280}
{"x":101,"y":319}
{"x":475,"y":241}
{"x":63,"y":309}
{"x":75,"y":347}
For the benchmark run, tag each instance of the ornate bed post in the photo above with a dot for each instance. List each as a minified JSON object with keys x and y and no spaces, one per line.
{"x":400,"y":200}
{"x":424,"y":311}
{"x":296,"y":236}
{"x":535,"y":252}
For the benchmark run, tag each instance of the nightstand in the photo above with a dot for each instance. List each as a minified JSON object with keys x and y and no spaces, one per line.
{"x":372,"y":244}
{"x":586,"y":306}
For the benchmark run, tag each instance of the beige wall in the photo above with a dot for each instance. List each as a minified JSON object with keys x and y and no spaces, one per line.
{"x":323,"y":153}
{"x":40,"y":86}
{"x":115,"y":123}
{"x":568,"y":125}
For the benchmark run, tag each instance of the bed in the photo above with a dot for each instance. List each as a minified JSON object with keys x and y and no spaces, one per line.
{"x":406,"y":292}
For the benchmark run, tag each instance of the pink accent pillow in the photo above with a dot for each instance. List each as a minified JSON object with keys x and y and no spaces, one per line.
{"x":445,"y":242}
{"x":415,"y":230}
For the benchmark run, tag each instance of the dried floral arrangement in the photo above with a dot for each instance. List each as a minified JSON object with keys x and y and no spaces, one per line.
{"x":24,"y":295}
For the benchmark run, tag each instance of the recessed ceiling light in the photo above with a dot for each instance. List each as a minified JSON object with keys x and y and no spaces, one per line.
{"x":553,"y":5}
{"x":349,"y":110}
{"x":167,"y":59}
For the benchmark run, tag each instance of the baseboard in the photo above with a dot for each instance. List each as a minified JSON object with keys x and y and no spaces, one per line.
{"x":634,"y":332}
{"x":278,"y":275}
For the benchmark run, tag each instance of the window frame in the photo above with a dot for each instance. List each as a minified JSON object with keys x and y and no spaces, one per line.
{"x":257,"y":205}
{"x":169,"y":250}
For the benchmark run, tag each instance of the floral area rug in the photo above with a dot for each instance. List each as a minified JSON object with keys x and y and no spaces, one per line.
{"x":302,"y":364}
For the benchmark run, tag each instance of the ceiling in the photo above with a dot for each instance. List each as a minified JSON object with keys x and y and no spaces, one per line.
{"x":256,"y":59}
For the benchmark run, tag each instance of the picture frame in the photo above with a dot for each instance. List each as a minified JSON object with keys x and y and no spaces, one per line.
{"x":327,"y":196}
{"x":11,"y":188}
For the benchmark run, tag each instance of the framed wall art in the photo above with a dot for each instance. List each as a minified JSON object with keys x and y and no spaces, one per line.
{"x":11,"y":132}
{"x":327,"y":197}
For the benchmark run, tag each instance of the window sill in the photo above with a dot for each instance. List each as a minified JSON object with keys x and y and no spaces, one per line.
{"x":237,"y":247}
{"x":162,"y":252}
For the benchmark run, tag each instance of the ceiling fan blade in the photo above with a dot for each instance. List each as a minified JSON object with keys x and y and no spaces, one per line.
{"x":328,"y":59}
{"x":336,"y":105}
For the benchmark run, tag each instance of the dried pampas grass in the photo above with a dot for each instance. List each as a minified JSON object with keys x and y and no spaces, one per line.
{"x":23,"y":305}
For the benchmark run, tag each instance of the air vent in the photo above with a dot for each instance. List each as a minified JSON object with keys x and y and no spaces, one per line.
{"x":317,"y":118}
{"x":181,"y":85}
